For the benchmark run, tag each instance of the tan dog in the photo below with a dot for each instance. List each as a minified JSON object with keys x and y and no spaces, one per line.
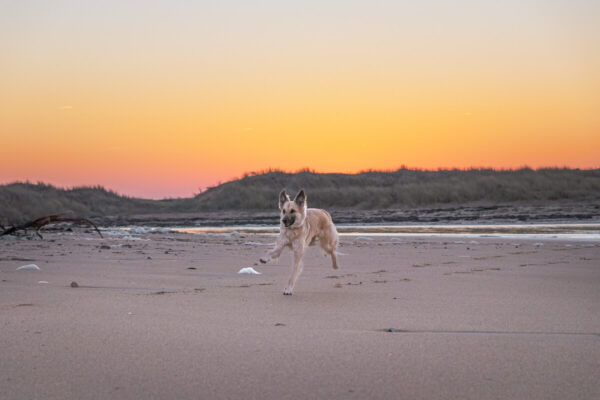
{"x":301,"y":227}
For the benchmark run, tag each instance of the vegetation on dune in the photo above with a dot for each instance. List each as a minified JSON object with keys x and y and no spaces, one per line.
{"x":404,"y":188}
{"x":23,"y":201}
{"x":366,"y":190}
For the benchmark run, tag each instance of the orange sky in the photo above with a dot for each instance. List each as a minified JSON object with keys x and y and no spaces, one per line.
{"x":158,"y":99}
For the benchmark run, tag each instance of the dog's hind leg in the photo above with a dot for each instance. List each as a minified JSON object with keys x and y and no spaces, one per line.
{"x":334,"y":260}
{"x":296,"y":271}
{"x":330,"y":247}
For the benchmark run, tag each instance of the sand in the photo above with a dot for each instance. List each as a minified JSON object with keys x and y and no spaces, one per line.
{"x":166,"y":316}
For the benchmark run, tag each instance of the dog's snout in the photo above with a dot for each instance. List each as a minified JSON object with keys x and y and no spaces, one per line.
{"x":287,"y":221}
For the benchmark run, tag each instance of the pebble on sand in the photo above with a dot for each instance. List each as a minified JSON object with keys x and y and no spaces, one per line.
{"x":255,"y":244}
{"x":29,"y":267}
{"x":74,"y":284}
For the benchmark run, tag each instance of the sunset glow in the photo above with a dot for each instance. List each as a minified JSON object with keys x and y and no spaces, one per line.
{"x":159,"y":99}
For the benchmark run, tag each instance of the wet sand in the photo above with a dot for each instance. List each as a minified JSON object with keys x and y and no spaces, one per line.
{"x":572,"y":212}
{"x":166,"y":315}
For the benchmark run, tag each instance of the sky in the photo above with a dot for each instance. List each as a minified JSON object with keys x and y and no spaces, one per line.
{"x":164,"y":98}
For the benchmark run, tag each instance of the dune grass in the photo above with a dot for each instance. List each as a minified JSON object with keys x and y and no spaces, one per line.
{"x":404,"y":188}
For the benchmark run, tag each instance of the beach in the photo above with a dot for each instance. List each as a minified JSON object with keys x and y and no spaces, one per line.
{"x":165,"y":315}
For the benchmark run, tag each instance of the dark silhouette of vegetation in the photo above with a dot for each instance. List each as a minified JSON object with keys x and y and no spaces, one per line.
{"x":20,"y":202}
{"x":404,"y":188}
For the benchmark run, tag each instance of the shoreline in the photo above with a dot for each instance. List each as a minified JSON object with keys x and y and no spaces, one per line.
{"x":539,"y":231}
{"x":545,"y":231}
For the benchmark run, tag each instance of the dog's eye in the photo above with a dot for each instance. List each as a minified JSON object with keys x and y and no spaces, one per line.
{"x":293,"y":211}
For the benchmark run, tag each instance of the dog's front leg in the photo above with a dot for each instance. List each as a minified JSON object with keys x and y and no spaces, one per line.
{"x":297,"y":269}
{"x":275,"y":253}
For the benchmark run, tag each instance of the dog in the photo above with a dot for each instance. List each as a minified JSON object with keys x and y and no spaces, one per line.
{"x":300,"y":227}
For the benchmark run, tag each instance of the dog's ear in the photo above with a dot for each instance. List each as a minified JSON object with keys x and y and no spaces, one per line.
{"x":283,"y":197}
{"x":300,"y":198}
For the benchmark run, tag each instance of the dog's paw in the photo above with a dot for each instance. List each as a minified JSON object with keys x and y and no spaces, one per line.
{"x":264,"y":260}
{"x":287,"y":292}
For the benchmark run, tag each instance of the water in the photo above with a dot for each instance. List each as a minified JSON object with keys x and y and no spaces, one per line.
{"x":516,"y":231}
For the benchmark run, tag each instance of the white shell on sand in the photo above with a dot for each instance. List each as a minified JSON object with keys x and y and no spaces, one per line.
{"x":42,"y":282}
{"x":29,"y":267}
{"x":248,"y":270}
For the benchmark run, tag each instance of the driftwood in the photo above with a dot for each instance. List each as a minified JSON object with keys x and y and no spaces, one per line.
{"x":40,"y":222}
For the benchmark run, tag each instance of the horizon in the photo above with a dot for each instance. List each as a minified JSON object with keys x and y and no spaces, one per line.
{"x":275,"y":170}
{"x":200,"y":188}
{"x":157,"y":100}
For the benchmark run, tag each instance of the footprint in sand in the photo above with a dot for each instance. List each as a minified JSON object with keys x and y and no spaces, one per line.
{"x":473,"y":270}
